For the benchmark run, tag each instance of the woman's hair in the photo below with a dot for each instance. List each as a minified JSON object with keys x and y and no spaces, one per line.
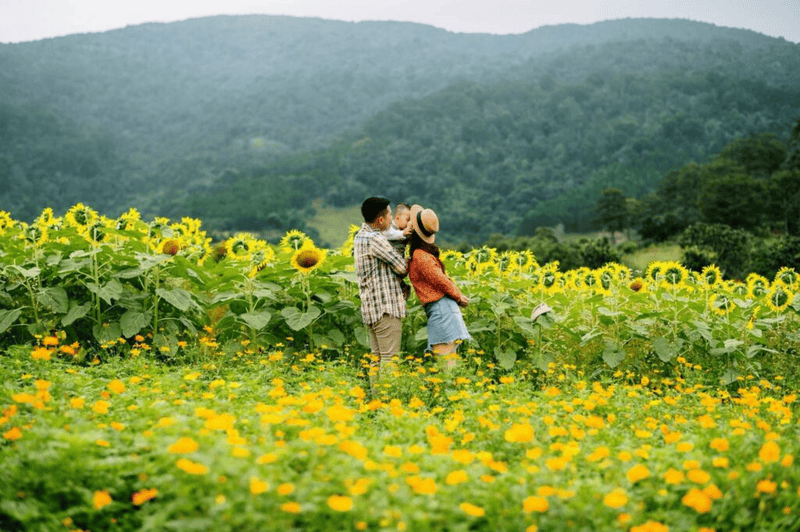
{"x":417,"y":243}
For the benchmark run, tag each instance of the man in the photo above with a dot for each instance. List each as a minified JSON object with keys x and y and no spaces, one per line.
{"x":379,"y":269}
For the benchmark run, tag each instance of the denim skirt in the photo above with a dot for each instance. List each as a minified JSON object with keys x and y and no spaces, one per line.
{"x":445,"y":323}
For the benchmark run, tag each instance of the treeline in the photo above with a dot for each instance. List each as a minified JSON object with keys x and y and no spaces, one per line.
{"x":188,"y":115}
{"x":740,"y":209}
{"x":513,"y":156}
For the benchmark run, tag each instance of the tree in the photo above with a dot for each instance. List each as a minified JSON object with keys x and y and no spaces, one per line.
{"x":612,"y":210}
{"x":783,"y":191}
{"x":728,"y":248}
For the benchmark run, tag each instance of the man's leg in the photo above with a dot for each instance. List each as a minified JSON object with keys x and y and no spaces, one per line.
{"x":387,"y":334}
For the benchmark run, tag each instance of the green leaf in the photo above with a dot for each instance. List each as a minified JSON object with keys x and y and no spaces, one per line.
{"x":607,"y":312}
{"x":506,"y":358}
{"x":421,"y":335}
{"x":28,"y":273}
{"x":107,"y":292}
{"x":7,"y":318}
{"x":297,"y":320}
{"x":256,"y":320}
{"x":177,"y":297}
{"x":729,"y":376}
{"x":107,"y":333}
{"x":132,"y":321}
{"x":665,"y":350}
{"x":55,"y":298}
{"x":76,"y":312}
{"x":613,"y":354}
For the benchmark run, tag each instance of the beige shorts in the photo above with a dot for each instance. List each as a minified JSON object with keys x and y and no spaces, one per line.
{"x":385,"y":336}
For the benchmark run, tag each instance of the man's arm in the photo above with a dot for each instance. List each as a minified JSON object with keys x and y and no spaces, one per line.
{"x":384,"y":251}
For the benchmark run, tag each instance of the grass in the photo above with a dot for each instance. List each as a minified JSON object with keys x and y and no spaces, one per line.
{"x":639,"y":259}
{"x":333,"y":223}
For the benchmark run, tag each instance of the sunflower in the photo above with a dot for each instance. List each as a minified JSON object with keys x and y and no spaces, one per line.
{"x":637,"y":284}
{"x":787,"y":276}
{"x":293,"y":240}
{"x":6,"y":222}
{"x":505,"y":261}
{"x":308,"y":257}
{"x":757,"y":285}
{"x":550,"y":277}
{"x":654,"y":271}
{"x":81,"y":216}
{"x":171,"y":246}
{"x":779,"y":297}
{"x":97,"y":231}
{"x":260,"y":259}
{"x":673,"y":274}
{"x":605,"y":278}
{"x":240,"y":246}
{"x":736,"y":288}
{"x":721,"y":304}
{"x":621,"y":273}
{"x":35,"y":234}
{"x":451,"y":255}
{"x":589,"y":279}
{"x":711,"y":276}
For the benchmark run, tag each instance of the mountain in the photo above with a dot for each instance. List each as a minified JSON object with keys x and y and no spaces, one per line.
{"x":177,"y":116}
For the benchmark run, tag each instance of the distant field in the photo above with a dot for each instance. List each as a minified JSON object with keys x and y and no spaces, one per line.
{"x":642,"y":257}
{"x":333,"y":223}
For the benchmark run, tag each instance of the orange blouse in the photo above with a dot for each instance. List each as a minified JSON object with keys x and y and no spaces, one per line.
{"x":430,"y":282}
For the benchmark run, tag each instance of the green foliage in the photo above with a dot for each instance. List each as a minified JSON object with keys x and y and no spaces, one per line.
{"x":724,"y":246}
{"x":612,"y":210}
{"x":276,"y":93}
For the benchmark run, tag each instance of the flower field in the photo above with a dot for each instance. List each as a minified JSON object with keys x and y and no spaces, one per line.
{"x":152,"y":381}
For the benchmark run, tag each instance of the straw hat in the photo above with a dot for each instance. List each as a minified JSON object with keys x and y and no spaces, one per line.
{"x":425,"y":223}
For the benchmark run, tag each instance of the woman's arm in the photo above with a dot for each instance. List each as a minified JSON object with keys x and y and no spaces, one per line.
{"x":432,"y":272}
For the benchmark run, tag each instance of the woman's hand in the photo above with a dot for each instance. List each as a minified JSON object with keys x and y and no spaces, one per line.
{"x":464,"y":301}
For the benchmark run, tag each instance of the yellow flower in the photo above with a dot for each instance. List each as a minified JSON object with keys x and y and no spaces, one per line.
{"x":308,"y":257}
{"x":183,"y":446}
{"x":193,"y":468}
{"x":535,"y":504}
{"x":471,"y":509}
{"x":423,"y":486}
{"x":285,"y":488}
{"x":101,"y":499}
{"x":779,"y":297}
{"x":80,"y":216}
{"x":339,"y":413}
{"x":340,"y":503}
{"x":519,"y":433}
{"x":291,"y":507}
{"x":294,"y":239}
{"x":258,"y":486}
{"x":698,"y":476}
{"x":456,"y":477}
{"x":769,"y":452}
{"x":13,"y":434}
{"x":116,"y":386}
{"x":719,"y":444}
{"x":616,"y":498}
{"x":673,"y":476}
{"x":141,"y":497}
{"x":637,"y":473}
{"x":766,"y":486}
{"x":697,"y":500}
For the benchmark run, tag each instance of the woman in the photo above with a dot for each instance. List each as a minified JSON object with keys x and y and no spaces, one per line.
{"x":438,"y":294}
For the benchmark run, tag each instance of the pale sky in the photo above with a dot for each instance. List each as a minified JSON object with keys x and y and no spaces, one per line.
{"x":30,"y":20}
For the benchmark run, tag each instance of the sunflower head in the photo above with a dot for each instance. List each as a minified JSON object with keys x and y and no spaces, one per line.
{"x":721,"y":304}
{"x":81,"y":216}
{"x":171,"y":246}
{"x":779,"y":297}
{"x":240,"y":246}
{"x":757,"y":285}
{"x":637,"y":284}
{"x":673,"y":274}
{"x":654,"y":271}
{"x":787,"y":276}
{"x":711,"y":275}
{"x":308,"y":258}
{"x":260,"y":259}
{"x":293,"y":240}
{"x":35,"y":234}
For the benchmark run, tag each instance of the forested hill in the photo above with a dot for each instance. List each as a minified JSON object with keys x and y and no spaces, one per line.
{"x":153,"y":115}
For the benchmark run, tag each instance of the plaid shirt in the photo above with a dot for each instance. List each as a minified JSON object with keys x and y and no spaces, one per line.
{"x":377,"y":268}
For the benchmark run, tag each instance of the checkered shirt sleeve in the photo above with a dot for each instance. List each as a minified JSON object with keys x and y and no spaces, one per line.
{"x":378,"y":266}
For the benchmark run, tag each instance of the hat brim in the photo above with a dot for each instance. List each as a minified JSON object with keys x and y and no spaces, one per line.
{"x":416,"y":209}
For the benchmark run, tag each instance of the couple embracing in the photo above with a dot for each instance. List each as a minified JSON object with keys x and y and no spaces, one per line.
{"x":380,"y":267}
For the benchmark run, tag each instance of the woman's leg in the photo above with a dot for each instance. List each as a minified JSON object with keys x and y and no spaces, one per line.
{"x":447,"y":353}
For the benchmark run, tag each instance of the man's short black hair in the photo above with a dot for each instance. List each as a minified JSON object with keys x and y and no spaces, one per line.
{"x":373,"y":207}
